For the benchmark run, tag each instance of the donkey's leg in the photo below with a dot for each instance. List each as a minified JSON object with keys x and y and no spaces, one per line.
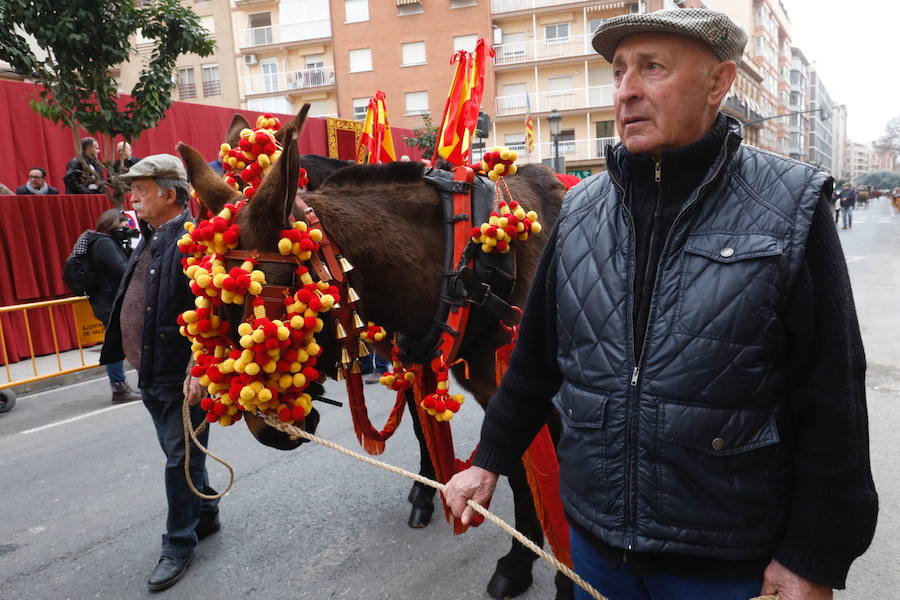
{"x":420,"y":496}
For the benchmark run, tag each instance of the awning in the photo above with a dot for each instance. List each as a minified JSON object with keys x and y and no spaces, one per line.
{"x":407,"y":2}
{"x":607,"y":6}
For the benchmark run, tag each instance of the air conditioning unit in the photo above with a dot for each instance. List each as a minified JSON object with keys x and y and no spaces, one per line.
{"x":249,"y":59}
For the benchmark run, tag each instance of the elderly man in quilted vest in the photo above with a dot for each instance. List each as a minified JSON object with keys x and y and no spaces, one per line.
{"x":693,"y":326}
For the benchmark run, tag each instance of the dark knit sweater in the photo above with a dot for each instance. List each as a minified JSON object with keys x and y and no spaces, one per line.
{"x":833,"y":502}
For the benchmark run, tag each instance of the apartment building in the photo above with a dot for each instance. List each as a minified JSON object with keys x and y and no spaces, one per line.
{"x":544,"y":63}
{"x":839,"y":142}
{"x":769,"y":49}
{"x":821,"y":149}
{"x":203,"y":80}
{"x":798,"y":122}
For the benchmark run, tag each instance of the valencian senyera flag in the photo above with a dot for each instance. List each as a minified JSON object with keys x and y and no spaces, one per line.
{"x":454,"y":141}
{"x":529,"y":126}
{"x":376,"y":135}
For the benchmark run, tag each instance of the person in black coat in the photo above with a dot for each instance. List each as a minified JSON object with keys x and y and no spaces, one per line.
{"x":76,"y":179}
{"x":109,"y":257}
{"x":37,"y":184}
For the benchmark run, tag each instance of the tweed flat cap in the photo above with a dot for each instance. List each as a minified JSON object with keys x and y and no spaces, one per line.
{"x":164,"y":166}
{"x":715,"y":29}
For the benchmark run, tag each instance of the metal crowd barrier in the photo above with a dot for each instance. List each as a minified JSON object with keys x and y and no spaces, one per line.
{"x":87,"y":331}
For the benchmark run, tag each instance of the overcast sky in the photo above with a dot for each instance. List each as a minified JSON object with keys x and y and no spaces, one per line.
{"x":855,"y":46}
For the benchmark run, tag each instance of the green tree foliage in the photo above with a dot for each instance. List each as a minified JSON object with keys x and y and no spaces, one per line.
{"x":880,"y":180}
{"x":424,"y":138}
{"x":81,"y":42}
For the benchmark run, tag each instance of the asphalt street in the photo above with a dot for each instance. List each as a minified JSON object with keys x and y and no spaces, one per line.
{"x":82,"y":500}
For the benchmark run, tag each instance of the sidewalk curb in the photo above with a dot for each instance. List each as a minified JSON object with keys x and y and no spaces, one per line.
{"x":60,"y":381}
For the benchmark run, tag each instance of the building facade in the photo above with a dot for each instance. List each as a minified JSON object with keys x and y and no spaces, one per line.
{"x":839,"y":142}
{"x":798,"y":123}
{"x":821,"y":137}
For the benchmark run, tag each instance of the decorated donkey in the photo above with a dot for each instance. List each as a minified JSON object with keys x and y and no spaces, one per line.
{"x":388,"y":222}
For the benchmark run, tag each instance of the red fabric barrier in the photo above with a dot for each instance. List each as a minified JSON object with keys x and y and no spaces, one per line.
{"x":36,"y":237}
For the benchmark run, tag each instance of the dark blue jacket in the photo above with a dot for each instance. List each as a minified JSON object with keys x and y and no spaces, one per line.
{"x":165,"y":353}
{"x":685,"y":449}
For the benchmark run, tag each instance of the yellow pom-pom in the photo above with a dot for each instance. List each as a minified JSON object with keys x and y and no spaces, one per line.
{"x":315,"y":235}
{"x":264,"y":394}
{"x":255,"y":288}
{"x":535,"y":228}
{"x":284,"y":246}
{"x":252,"y":369}
{"x":512,"y":170}
{"x":299,"y":380}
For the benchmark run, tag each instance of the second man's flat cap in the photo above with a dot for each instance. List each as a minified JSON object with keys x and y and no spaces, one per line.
{"x":715,"y":29}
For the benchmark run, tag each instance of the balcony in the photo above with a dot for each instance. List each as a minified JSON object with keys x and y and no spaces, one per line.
{"x":529,"y":51}
{"x":586,"y":149}
{"x":287,"y":81}
{"x":212,"y":88}
{"x":285,"y":34}
{"x":502,"y":6}
{"x":573,"y":99}
{"x":186,"y":91}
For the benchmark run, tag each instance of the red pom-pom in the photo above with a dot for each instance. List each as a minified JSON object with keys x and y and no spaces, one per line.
{"x":207,"y":403}
{"x":298,"y":412}
{"x":212,"y":417}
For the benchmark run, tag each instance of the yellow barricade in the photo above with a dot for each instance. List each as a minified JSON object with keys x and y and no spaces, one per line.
{"x":89,"y":331}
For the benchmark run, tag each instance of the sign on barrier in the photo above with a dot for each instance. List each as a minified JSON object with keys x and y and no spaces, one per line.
{"x":90,"y":329}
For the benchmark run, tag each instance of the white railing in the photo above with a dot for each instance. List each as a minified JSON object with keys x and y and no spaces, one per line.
{"x":499,"y":6}
{"x":575,"y":98}
{"x":527,"y":51}
{"x":572,"y":150}
{"x":289,"y":80}
{"x":290,"y":32}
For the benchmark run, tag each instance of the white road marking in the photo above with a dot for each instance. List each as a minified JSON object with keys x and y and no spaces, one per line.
{"x":78,"y":418}
{"x":885,"y":220}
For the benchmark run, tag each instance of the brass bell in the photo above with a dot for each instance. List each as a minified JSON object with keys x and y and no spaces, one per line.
{"x":340,"y":374}
{"x":355,"y":367}
{"x":346,"y":267}
{"x":352,"y":296}
{"x":363,"y":349}
{"x":345,"y":357}
{"x":339,"y":331}
{"x":357,"y":321}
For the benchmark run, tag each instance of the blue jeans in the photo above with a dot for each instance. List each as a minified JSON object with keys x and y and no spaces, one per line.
{"x":619,"y":584}
{"x":186,"y":511}
{"x":115,"y":372}
{"x":374,"y":364}
{"x":847,"y":214}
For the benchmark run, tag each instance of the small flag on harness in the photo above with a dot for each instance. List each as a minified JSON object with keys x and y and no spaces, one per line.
{"x":460,"y":118}
{"x":376,"y":136}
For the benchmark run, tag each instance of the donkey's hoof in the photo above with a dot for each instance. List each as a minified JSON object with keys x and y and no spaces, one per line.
{"x":565,"y":587}
{"x":420,"y":516}
{"x":419,"y":494}
{"x":503,"y":586}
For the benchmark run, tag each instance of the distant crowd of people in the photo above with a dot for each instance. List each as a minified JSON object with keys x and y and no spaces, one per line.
{"x":84,"y":174}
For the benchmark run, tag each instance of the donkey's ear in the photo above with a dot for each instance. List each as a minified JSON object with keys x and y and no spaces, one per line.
{"x":296,"y":124}
{"x":213,"y":192}
{"x":238,"y":124}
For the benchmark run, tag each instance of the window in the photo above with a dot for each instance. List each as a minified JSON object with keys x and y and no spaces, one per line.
{"x":318,"y":108}
{"x":567,"y":141}
{"x":260,"y":32}
{"x":360,"y":60}
{"x":360,"y":106}
{"x":593,"y":24}
{"x":187,"y":87}
{"x":409,"y":7}
{"x":212,"y":82}
{"x":276,"y":104}
{"x":560,"y":94}
{"x":269,"y":68}
{"x":513,"y":98}
{"x":465,"y":42}
{"x":513,"y":46}
{"x":514,"y":139}
{"x":416,"y":103}
{"x":557,"y":32}
{"x":208,"y":23}
{"x":795,"y":98}
{"x":605,"y":129}
{"x":413,"y":53}
{"x":356,"y":11}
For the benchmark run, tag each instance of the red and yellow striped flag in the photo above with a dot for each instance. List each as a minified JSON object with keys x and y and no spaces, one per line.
{"x":376,"y":135}
{"x":454,"y":142}
{"x":529,"y":134}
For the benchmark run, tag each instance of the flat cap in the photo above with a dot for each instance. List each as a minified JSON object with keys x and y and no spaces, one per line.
{"x":715,"y":29}
{"x":164,"y":166}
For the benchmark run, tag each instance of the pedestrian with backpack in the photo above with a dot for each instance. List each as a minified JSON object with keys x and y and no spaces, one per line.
{"x":94,"y":269}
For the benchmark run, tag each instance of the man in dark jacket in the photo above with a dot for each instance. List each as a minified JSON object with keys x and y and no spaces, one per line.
{"x":37,"y":184}
{"x":143,"y":328}
{"x":693,"y":324}
{"x":85,"y":174}
{"x":847,"y":200}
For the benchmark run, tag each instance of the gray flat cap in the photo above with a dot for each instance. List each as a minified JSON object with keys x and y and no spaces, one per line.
{"x":164,"y":166}
{"x":713,"y":28}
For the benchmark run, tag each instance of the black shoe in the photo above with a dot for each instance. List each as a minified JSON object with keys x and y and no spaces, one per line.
{"x":168,"y":572}
{"x":123,"y":393}
{"x":204,"y":530}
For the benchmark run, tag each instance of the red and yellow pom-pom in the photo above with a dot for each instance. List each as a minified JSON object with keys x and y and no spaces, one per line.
{"x":510,"y":222}
{"x":499,"y":162}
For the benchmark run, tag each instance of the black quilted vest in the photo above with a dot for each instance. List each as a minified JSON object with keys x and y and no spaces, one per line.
{"x":686,"y":449}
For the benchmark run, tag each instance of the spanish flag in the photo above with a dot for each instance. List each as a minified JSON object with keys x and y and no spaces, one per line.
{"x":529,"y":126}
{"x":463,"y":103}
{"x":376,"y":135}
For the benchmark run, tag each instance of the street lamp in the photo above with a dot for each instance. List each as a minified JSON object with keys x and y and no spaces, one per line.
{"x":554,"y":120}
